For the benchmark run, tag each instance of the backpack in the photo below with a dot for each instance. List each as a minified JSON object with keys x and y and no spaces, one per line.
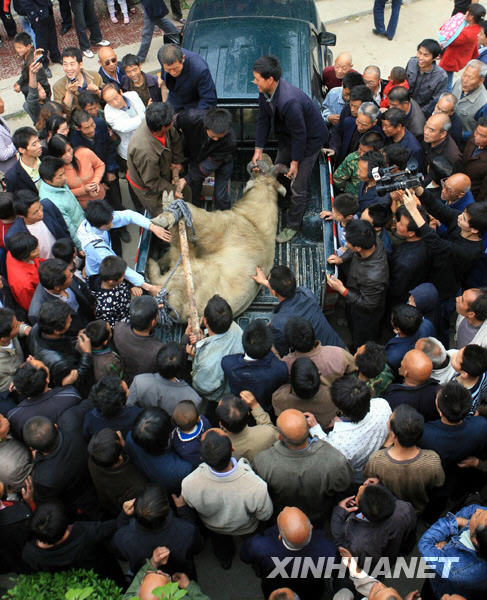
{"x":451,"y":29}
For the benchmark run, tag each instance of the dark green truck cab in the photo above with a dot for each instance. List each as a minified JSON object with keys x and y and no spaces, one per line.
{"x":230,"y":35}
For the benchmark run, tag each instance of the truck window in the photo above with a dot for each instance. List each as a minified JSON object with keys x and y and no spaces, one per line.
{"x":315,"y":66}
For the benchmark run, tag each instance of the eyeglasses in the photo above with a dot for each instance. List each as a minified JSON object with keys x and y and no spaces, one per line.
{"x":110,"y":61}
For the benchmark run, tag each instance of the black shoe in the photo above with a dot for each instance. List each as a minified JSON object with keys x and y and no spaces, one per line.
{"x":379,"y":33}
{"x":125,"y":236}
{"x":65,"y":29}
{"x":48,"y":73}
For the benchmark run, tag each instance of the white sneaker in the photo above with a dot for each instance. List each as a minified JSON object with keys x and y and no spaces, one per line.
{"x":88,"y":53}
{"x":103,"y":43}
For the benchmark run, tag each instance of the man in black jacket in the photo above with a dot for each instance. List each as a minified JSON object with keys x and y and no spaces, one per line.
{"x":367,"y":281}
{"x":41,"y":17}
{"x":300,"y":129}
{"x":210,"y":144}
{"x":410,"y":262}
{"x":69,"y":361}
{"x":56,"y":282}
{"x":32,"y":381}
{"x":60,"y":470}
{"x":454,"y":254}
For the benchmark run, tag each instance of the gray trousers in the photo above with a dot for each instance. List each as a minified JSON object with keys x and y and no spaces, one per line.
{"x":148,"y":29}
{"x":299,"y":187}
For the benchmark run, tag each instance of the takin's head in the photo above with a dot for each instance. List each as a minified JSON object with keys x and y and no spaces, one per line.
{"x":270,"y":178}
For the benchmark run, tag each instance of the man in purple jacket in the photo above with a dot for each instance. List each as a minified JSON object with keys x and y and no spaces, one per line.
{"x":300,"y":130}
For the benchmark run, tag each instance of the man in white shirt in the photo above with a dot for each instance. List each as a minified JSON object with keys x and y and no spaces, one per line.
{"x":363,"y":425}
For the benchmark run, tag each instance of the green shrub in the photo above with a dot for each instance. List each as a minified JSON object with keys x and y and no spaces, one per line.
{"x":66,"y":585}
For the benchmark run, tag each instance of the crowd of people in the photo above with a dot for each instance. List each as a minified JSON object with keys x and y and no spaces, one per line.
{"x":288,"y":440}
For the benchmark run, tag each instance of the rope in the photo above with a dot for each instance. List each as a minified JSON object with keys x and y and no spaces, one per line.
{"x":168,"y":316}
{"x":180,"y":210}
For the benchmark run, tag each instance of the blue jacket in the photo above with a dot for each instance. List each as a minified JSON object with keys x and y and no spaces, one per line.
{"x":53,"y":219}
{"x":455,"y":442}
{"x":155,"y":9}
{"x":17,"y":179}
{"x":96,"y":244}
{"x":397,"y":346}
{"x":167,"y":469}
{"x":298,"y":123}
{"x":101,"y":145}
{"x":122,"y":80}
{"x":349,"y":128}
{"x":194,"y":87}
{"x":366,"y":199}
{"x":460,"y":206}
{"x":426,"y":299}
{"x":302,"y":304}
{"x":411,"y":143}
{"x":421,"y":397}
{"x":187,"y":445}
{"x":260,"y":549}
{"x":262,"y":377}
{"x":468,"y":572}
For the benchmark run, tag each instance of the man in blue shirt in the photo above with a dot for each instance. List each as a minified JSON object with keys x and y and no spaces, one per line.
{"x":95,"y":239}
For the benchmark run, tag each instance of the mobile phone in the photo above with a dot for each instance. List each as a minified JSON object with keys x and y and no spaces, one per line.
{"x":38,"y":60}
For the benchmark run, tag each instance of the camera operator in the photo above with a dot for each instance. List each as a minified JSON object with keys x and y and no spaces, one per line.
{"x":454,"y":254}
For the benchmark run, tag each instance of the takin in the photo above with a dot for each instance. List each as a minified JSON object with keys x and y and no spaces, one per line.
{"x":229,"y":245}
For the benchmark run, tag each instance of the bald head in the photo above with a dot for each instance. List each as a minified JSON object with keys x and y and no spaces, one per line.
{"x":292,"y":427}
{"x":283,"y":594}
{"x":294,"y":527}
{"x":105,"y":58}
{"x":342,"y":64}
{"x":416,"y":367}
{"x":150,"y":582}
{"x":436,"y":129}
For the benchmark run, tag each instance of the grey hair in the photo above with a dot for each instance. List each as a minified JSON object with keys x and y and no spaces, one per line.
{"x":374,"y":68}
{"x":449,"y":96}
{"x":446,"y":123}
{"x":369,"y":109}
{"x":431,"y":345}
{"x":478,"y":64}
{"x":170,"y":54}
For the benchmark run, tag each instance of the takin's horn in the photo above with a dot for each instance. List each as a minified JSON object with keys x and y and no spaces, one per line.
{"x":278,"y":169}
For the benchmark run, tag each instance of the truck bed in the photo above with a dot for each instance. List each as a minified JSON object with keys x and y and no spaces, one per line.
{"x":306,"y":253}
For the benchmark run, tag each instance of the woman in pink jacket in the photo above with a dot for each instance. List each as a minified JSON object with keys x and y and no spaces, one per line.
{"x":84,"y":170}
{"x":465,"y":46}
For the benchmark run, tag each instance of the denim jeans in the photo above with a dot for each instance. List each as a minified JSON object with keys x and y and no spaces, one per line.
{"x":449,"y":81}
{"x":379,"y":17}
{"x":148,"y":29}
{"x":28,"y":29}
{"x":299,"y":187}
{"x":85,"y":18}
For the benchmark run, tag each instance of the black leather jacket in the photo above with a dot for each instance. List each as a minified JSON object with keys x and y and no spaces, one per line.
{"x":368,"y":279}
{"x":61,"y":356}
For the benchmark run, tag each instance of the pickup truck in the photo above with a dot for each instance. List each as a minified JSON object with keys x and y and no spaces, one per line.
{"x":230,"y":35}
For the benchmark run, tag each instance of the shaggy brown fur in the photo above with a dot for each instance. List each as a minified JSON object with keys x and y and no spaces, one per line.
{"x":230,"y":244}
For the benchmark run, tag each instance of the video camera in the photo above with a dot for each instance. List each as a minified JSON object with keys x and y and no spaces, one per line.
{"x":387,"y":181}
